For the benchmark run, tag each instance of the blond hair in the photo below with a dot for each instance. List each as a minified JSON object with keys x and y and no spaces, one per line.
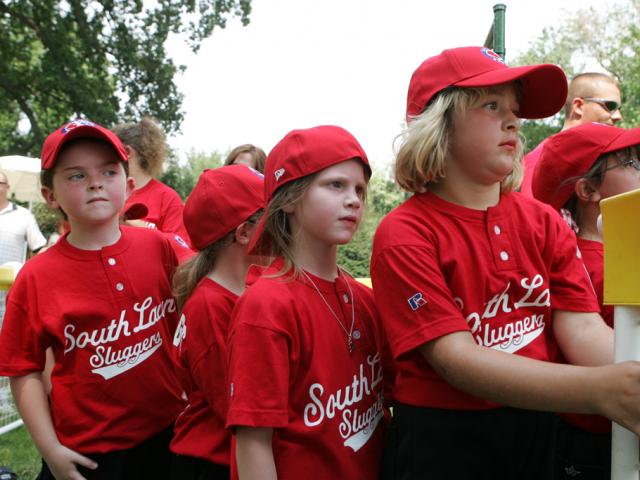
{"x":425,"y":142}
{"x":148,"y":140}
{"x":277,"y":237}
{"x":188,"y":275}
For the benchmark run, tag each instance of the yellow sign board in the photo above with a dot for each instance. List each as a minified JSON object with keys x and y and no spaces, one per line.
{"x":621,"y":235}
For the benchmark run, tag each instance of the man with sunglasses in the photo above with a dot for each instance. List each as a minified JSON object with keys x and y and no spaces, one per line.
{"x":592,"y":97}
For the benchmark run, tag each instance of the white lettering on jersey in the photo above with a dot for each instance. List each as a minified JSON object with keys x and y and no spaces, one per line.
{"x":356,"y":426}
{"x":108,"y":360}
{"x":510,"y":335}
{"x":181,"y":331}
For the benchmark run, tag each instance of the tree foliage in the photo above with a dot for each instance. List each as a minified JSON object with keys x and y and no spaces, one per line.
{"x":183,"y":176}
{"x":101,"y":59}
{"x":383,"y":196}
{"x":608,"y":39}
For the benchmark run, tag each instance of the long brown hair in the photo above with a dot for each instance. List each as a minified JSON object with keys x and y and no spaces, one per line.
{"x":188,"y":275}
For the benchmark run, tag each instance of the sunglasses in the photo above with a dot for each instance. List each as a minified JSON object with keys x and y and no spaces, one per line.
{"x":610,"y":106}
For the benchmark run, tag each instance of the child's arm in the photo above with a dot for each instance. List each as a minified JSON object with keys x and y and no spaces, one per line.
{"x":584,"y":338}
{"x":31,"y":400}
{"x":612,"y":390}
{"x":254,"y":454}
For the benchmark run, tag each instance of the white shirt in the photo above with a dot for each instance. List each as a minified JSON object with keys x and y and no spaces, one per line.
{"x":18,"y":227}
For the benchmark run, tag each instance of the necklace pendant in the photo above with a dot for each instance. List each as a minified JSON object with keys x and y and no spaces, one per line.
{"x":350,"y":344}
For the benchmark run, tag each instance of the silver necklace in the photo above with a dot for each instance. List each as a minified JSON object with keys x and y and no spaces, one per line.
{"x":353,"y":312}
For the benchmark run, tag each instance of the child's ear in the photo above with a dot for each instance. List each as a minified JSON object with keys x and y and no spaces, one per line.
{"x":586,"y":192}
{"x":49,"y":197}
{"x":244,"y":232}
{"x":131,"y":186}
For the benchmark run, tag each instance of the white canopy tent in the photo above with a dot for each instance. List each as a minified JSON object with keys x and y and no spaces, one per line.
{"x":24,"y":177}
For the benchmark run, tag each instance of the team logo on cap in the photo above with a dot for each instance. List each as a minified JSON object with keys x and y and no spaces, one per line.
{"x":487,"y":52}
{"x":278,"y":173}
{"x":77,"y":123}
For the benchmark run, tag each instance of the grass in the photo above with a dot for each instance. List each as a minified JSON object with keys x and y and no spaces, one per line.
{"x":19,"y":454}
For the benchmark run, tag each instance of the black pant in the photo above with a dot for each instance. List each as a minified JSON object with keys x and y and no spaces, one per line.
{"x":499,"y":444}
{"x":150,"y":460}
{"x":192,"y":468}
{"x":580,"y":454}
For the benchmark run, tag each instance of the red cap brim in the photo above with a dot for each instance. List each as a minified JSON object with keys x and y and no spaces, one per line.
{"x":544,"y":87}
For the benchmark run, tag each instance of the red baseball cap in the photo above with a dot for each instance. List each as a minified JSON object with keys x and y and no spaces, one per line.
{"x":222,"y":199}
{"x":570,"y":154}
{"x":304,"y":152}
{"x":77,"y":129}
{"x":134,"y":211}
{"x":544,"y":87}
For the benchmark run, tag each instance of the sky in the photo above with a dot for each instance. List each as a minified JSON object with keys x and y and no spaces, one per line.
{"x":302,"y":63}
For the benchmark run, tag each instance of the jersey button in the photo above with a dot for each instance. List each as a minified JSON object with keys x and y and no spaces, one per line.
{"x":345,"y":297}
{"x":112,"y":261}
{"x":504,"y":256}
{"x":119,"y":286}
{"x":496,"y":230}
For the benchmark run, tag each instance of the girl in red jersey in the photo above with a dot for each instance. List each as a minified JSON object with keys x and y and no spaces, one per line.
{"x":578,"y":168}
{"x":304,"y":347}
{"x":101,"y":300}
{"x":220,"y":216}
{"x":478,"y":286}
{"x":146,"y":146}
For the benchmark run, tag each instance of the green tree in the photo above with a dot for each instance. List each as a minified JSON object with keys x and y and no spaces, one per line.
{"x":383,"y":196}
{"x":609,"y":38}
{"x":102,"y":59}
{"x":182,"y":176}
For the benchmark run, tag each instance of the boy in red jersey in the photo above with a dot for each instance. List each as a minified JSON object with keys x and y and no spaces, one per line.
{"x":101,"y":299}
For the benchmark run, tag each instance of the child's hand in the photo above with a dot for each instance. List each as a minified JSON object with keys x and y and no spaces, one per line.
{"x":62,"y":462}
{"x":617,"y":394}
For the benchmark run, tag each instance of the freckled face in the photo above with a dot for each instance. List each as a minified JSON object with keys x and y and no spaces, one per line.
{"x":89,"y":184}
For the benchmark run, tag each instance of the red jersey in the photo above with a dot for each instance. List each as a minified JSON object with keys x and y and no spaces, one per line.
{"x":108,"y":315}
{"x":593,"y":257}
{"x":200,"y":429}
{"x":439,"y":268}
{"x":164,"y":206}
{"x":530,"y":161}
{"x":290,"y":369}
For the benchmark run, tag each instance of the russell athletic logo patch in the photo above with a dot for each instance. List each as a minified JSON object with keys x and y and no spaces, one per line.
{"x":416,"y":301}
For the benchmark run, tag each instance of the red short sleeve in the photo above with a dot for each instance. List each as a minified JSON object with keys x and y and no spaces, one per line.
{"x":412,"y":294}
{"x":259,"y":377}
